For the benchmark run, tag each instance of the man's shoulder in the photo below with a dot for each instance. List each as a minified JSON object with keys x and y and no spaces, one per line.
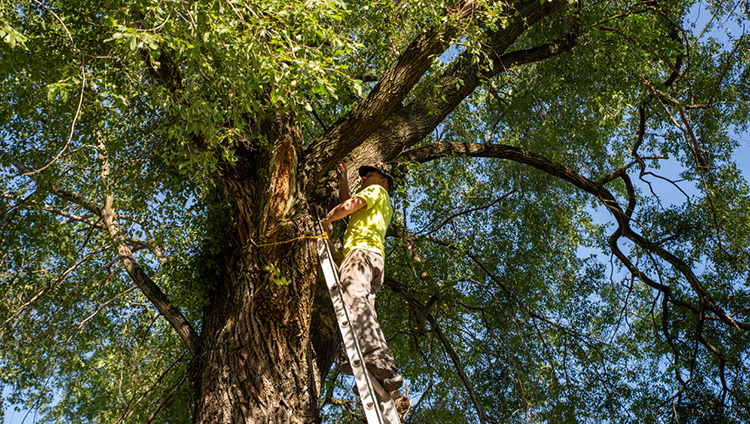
{"x":373,"y":193}
{"x":379,"y":191}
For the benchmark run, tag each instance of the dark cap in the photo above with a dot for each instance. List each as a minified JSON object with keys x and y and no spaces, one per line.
{"x":383,"y":170}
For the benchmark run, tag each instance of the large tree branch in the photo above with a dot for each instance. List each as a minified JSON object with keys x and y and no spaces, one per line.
{"x":392,"y":88}
{"x":414,"y":122}
{"x":500,"y":151}
{"x":380,"y":130}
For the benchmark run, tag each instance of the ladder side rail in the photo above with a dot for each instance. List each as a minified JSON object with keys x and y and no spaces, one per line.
{"x":391,"y":414}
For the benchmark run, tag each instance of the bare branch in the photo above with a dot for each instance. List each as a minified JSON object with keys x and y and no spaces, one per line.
{"x":152,"y":291}
{"x":132,"y":405}
{"x":166,"y":398}
{"x":565,"y":173}
{"x":53,"y":284}
{"x":72,"y":334}
{"x":80,"y":97}
{"x":63,"y":194}
{"x":400,"y":289}
{"x":470,"y":210}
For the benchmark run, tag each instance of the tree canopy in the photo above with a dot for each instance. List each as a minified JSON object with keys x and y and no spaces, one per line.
{"x":151,"y":151}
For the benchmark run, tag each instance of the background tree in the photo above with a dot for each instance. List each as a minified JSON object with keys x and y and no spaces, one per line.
{"x":159,"y":160}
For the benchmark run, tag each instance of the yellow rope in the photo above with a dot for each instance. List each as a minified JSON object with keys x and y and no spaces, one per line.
{"x":324,"y":235}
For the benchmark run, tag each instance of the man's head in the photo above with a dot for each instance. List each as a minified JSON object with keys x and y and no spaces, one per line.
{"x":377,"y":174}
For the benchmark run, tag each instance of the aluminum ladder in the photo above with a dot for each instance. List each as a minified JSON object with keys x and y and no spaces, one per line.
{"x":377,"y":402}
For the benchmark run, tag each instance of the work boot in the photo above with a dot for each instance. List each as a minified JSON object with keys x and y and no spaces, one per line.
{"x":378,"y":367}
{"x":390,"y":384}
{"x":387,"y":376}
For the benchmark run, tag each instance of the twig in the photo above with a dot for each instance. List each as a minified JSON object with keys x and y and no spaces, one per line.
{"x":158,"y":380}
{"x":80,"y":97}
{"x":166,"y":399}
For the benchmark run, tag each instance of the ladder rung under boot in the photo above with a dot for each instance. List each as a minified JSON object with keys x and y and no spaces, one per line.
{"x":377,"y":402}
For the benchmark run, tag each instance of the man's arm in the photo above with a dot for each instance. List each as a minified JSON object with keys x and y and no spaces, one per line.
{"x":343,"y":210}
{"x":344,"y":193}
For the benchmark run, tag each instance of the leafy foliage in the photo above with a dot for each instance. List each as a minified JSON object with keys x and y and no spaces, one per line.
{"x":512,"y":294}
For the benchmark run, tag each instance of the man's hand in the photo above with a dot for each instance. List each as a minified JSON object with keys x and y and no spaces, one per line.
{"x":326,"y":227}
{"x":341,"y":168}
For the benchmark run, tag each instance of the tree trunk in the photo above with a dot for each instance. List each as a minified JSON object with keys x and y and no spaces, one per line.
{"x":257,"y":364}
{"x":257,"y":358}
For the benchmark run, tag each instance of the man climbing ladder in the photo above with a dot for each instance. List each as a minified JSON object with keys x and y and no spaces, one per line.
{"x":362,"y":271}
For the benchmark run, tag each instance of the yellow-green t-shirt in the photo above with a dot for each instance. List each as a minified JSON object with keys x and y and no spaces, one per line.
{"x":367,"y":226}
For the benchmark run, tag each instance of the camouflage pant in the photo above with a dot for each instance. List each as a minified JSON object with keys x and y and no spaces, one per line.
{"x":361,"y":276}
